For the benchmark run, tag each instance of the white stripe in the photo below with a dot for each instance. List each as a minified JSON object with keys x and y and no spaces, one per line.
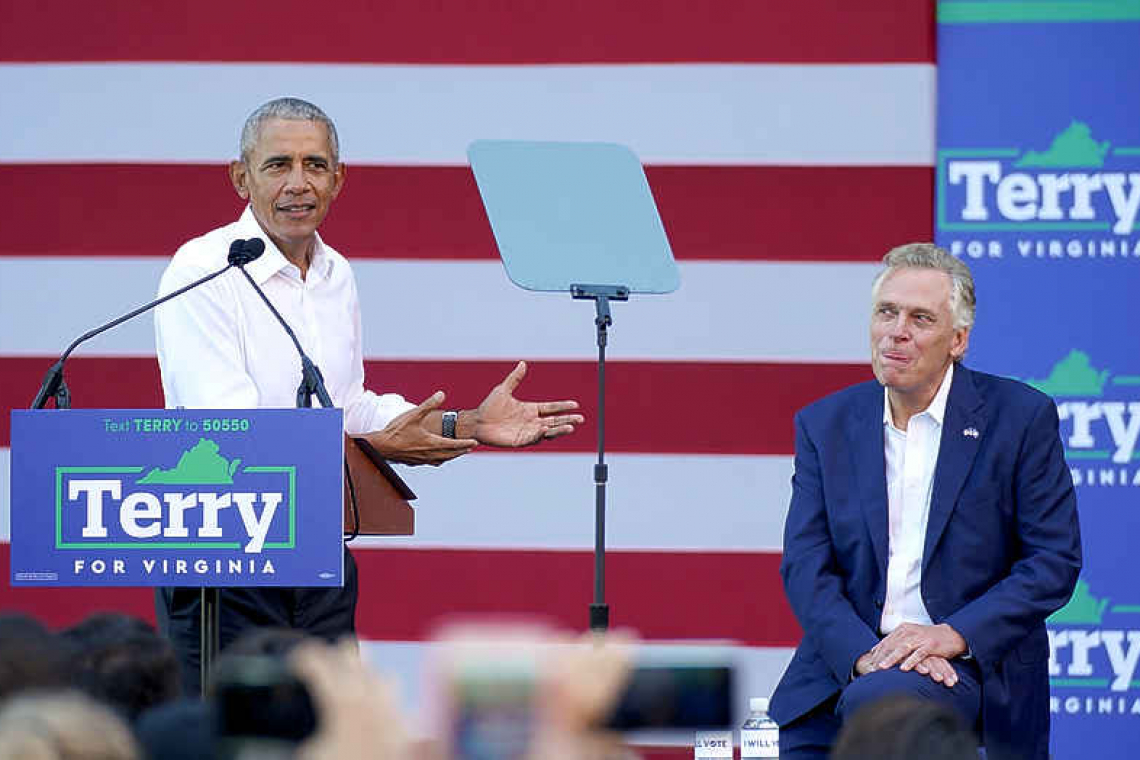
{"x":654,"y":502}
{"x":536,"y":500}
{"x":406,"y":663}
{"x":876,"y":114}
{"x":5,"y":494}
{"x":724,"y":311}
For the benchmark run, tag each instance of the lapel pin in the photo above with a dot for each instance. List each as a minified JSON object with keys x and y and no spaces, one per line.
{"x":970,"y":432}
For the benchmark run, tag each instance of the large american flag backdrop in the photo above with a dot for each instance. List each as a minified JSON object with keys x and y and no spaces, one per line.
{"x":788,"y":145}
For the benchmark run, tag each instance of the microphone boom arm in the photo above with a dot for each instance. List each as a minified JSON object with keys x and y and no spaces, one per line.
{"x":312,"y":382}
{"x":54,"y":384}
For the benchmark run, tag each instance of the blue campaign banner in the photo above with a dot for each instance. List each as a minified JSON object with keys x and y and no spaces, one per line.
{"x":130,"y":497}
{"x":1038,"y":190}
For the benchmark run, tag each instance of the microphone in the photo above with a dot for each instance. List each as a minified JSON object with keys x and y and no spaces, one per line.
{"x":54,"y":385}
{"x":312,"y":382}
{"x":244,"y":251}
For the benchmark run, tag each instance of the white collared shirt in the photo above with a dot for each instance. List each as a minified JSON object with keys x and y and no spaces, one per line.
{"x":219,"y":346}
{"x":911,"y":458}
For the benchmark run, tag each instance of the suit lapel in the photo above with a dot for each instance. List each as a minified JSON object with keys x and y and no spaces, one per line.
{"x":963,"y":428}
{"x":865,"y":440}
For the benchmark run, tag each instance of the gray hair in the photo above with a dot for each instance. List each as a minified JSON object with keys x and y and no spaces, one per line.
{"x":963,"y":302}
{"x":290,"y":109}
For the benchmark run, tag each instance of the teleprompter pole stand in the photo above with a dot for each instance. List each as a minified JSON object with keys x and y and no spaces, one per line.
{"x":601,"y":295}
{"x":569,"y":213}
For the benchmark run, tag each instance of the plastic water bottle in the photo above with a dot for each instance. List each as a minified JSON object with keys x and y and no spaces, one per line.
{"x":759,"y":736}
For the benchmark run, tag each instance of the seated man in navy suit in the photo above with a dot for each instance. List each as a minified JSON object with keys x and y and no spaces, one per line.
{"x":932,"y":529}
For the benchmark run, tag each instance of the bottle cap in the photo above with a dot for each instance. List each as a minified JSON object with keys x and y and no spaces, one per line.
{"x":758,"y":704}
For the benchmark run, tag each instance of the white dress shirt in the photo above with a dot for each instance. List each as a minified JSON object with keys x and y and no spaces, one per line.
{"x":911,"y":458}
{"x":219,"y":346}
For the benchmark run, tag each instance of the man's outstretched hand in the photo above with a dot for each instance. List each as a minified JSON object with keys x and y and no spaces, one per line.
{"x":503,"y":420}
{"x":406,"y":439}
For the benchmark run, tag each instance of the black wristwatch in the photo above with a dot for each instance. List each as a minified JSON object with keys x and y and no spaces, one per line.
{"x":449,"y":420}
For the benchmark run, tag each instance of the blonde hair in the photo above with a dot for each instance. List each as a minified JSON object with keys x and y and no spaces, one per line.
{"x":63,"y":726}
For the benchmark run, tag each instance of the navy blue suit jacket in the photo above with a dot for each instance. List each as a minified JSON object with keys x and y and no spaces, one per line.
{"x":1002,"y":548}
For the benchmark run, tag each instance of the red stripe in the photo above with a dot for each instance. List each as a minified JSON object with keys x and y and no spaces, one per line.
{"x":413,"y":31}
{"x":663,"y":753}
{"x":651,"y":407}
{"x":405,"y":594}
{"x":662,"y":595}
{"x":778,"y":213}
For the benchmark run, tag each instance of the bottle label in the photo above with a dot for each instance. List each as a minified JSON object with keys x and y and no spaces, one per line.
{"x":710,"y":744}
{"x":762,"y":742}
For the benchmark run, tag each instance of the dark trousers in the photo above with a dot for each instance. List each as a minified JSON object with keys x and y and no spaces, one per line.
{"x":812,"y":734}
{"x":328,"y":613}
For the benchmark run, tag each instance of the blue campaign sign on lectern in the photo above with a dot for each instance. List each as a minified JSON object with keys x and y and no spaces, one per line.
{"x":130,"y":497}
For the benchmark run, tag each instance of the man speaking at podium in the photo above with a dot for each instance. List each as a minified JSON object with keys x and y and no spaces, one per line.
{"x":932,"y":529}
{"x":219,"y":346}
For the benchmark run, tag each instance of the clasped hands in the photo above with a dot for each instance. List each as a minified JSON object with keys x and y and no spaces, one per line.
{"x":500,"y":420}
{"x":925,"y":648}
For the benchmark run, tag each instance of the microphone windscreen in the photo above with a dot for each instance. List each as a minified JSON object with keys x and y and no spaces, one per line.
{"x":236,"y":255}
{"x":244,"y":251}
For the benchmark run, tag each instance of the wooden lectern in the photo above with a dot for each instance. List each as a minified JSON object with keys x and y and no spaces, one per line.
{"x":381,"y":496}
